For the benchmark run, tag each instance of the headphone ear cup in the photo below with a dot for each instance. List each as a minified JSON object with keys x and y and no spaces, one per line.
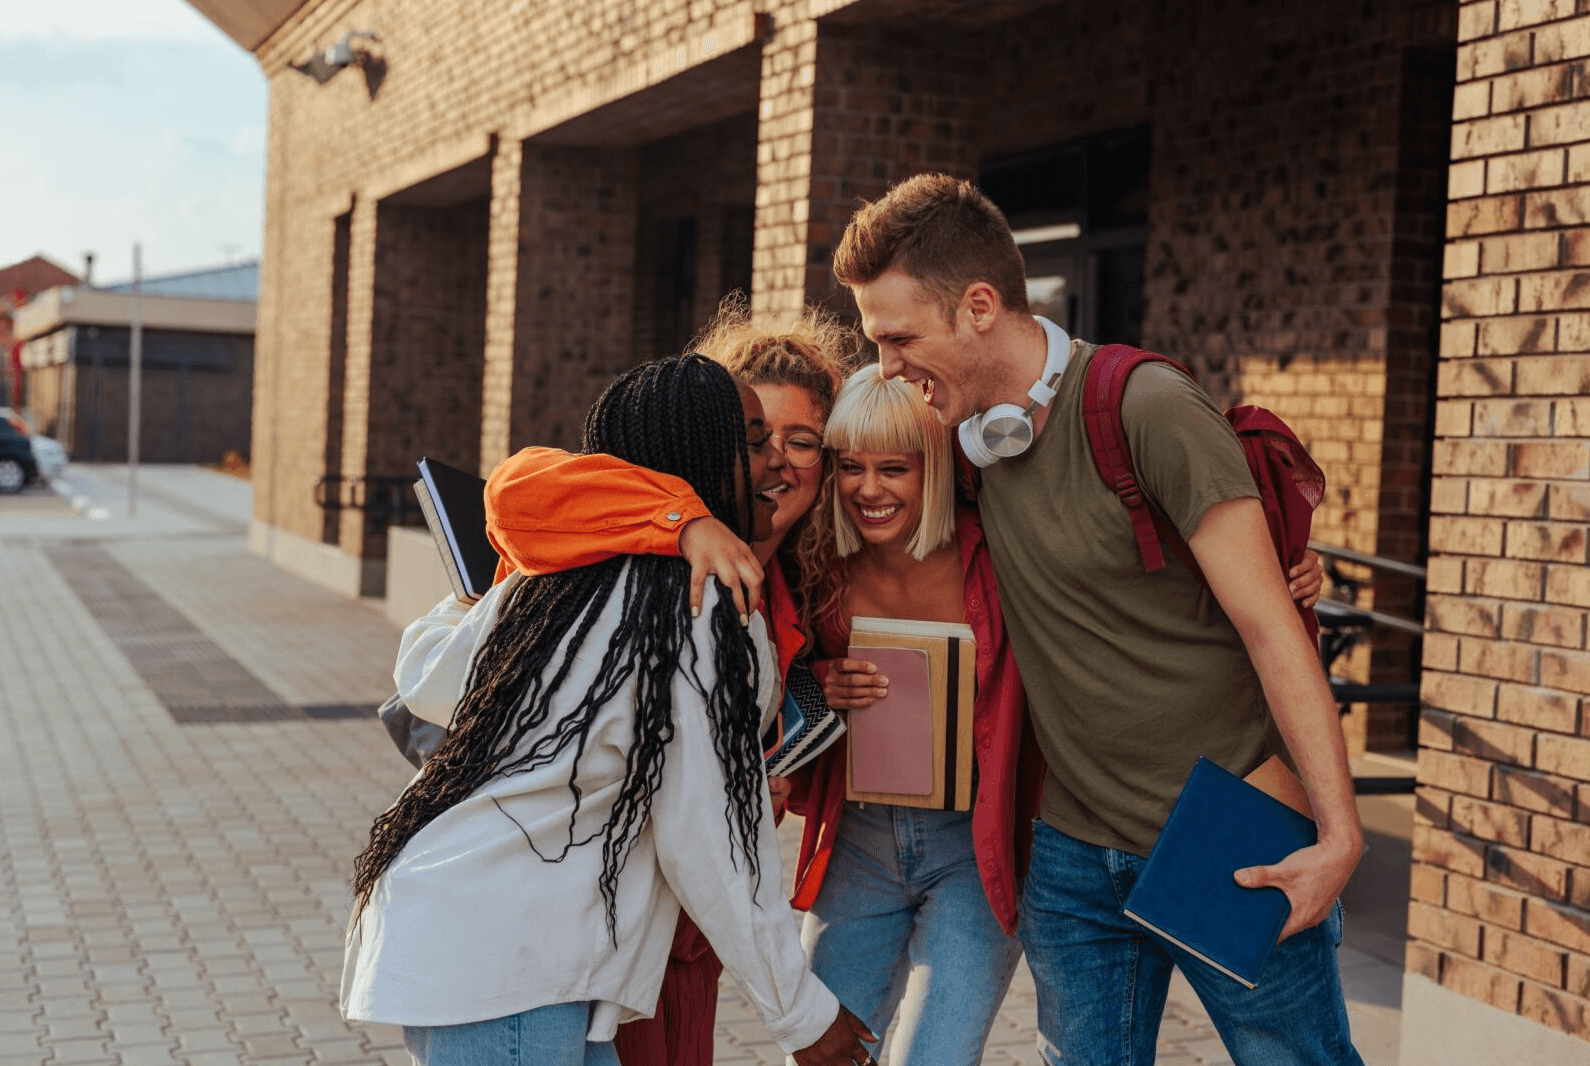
{"x":971,"y":436}
{"x":1006,"y":431}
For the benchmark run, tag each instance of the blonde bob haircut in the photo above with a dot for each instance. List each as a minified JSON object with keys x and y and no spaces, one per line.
{"x":878,"y":414}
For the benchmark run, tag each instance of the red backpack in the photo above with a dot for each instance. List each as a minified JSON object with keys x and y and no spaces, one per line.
{"x":1290,"y":483}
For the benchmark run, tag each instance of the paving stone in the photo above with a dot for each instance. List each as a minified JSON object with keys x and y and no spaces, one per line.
{"x":146,"y":1054}
{"x":272,"y":1045}
{"x":201,"y":1040}
{"x":78,"y":1049}
{"x":137,"y":1033}
{"x":340,"y":1051}
{"x":243,"y":1026}
{"x":211,"y":1058}
{"x":74,"y":1028}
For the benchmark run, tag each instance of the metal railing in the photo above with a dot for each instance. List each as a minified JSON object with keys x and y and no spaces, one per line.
{"x":385,"y":499}
{"x":1342,"y":625}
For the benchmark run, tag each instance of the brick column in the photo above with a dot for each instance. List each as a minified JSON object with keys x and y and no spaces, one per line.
{"x":783,"y":161}
{"x":848,"y":110}
{"x":356,"y":370}
{"x":1501,"y":879}
{"x":502,"y":291}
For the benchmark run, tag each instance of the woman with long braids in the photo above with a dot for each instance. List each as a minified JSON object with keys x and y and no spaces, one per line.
{"x":565,"y":510}
{"x":602,"y":768}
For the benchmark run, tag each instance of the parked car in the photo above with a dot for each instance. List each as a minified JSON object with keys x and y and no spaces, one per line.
{"x":17,"y":464}
{"x":50,"y":455}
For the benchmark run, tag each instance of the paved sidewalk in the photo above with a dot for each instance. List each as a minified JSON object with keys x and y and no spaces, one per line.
{"x":175,"y":891}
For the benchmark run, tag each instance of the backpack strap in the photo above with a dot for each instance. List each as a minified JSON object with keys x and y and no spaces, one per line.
{"x":1112,"y":455}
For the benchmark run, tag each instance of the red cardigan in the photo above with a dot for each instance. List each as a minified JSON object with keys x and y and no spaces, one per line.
{"x":1010,"y":769}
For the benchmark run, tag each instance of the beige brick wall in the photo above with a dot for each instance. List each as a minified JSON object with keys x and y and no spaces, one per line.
{"x":1501,"y":882}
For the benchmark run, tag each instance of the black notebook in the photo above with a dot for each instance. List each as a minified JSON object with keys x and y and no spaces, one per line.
{"x":454,"y":502}
{"x":1220,"y":824}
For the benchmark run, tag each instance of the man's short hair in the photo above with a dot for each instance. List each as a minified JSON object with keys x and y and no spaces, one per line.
{"x":940,"y":231}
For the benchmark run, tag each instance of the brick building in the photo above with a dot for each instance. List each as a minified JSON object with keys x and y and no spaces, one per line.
{"x":197,"y":365}
{"x":498,"y":204}
{"x":18,"y":283}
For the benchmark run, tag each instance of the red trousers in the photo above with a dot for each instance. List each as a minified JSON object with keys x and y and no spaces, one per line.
{"x":680,"y":1033}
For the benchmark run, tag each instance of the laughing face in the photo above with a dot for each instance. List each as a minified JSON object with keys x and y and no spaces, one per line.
{"x":881,"y":493}
{"x":767,"y":464}
{"x":797,"y":424}
{"x":917,"y":343}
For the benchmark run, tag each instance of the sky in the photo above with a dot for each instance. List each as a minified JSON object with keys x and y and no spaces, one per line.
{"x":127,"y":120}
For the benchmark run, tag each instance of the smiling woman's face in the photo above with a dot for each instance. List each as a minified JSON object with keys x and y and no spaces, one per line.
{"x":792,"y":413}
{"x":881,"y":493}
{"x":767,"y":464}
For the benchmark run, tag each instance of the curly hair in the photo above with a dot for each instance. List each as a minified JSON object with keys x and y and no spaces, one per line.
{"x":681,"y":416}
{"x":815,"y":350}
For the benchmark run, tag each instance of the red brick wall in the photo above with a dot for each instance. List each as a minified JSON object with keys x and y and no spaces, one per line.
{"x":1501,"y":882}
{"x":577,"y":218}
{"x":702,"y":175}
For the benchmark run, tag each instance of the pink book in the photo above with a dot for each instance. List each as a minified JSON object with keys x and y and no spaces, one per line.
{"x":891,"y":742}
{"x":914,"y":747}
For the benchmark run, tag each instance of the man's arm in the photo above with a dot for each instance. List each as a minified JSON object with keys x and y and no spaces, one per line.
{"x":1232,"y":545}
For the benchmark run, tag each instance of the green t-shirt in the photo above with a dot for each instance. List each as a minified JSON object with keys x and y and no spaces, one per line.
{"x":1130,"y":675}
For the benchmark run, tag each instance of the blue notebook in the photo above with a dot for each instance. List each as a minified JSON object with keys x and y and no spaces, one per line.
{"x":1220,"y":825}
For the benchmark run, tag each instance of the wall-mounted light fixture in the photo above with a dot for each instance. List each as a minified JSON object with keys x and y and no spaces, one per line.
{"x":347,"y":52}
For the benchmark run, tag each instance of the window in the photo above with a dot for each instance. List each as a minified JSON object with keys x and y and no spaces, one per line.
{"x":1080,"y":214}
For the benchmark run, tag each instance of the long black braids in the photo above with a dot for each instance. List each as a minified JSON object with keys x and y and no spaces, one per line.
{"x":677,"y":416}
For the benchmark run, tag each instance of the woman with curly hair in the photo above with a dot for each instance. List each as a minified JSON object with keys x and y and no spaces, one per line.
{"x":602,"y":768}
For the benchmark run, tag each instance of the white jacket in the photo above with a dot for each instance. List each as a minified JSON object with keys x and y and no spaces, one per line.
{"x":468,"y":923}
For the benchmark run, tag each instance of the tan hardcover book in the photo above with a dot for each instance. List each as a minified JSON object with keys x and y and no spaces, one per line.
{"x":914,"y":747}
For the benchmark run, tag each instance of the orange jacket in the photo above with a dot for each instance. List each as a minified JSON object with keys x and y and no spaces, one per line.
{"x":549,"y":510}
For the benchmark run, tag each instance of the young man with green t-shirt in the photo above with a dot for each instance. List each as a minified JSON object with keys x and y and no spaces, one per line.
{"x":1130,"y":675}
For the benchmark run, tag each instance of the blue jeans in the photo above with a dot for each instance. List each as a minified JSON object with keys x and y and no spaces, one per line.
{"x":1102,"y":978}
{"x":902,"y":923}
{"x":544,"y":1036}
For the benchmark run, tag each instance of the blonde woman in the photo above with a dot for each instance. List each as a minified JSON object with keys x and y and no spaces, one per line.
{"x":912,"y":912}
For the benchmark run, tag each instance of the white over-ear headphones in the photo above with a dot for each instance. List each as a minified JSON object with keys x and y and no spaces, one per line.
{"x":1005,"y":430}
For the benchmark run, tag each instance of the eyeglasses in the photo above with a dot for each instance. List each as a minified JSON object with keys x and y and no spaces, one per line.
{"x":801,"y":450}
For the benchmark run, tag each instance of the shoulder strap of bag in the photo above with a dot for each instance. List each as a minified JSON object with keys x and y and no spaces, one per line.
{"x":1112,"y":455}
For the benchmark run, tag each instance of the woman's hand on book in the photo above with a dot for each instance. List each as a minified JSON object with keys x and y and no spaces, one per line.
{"x":853,"y":684}
{"x":712,"y":550}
